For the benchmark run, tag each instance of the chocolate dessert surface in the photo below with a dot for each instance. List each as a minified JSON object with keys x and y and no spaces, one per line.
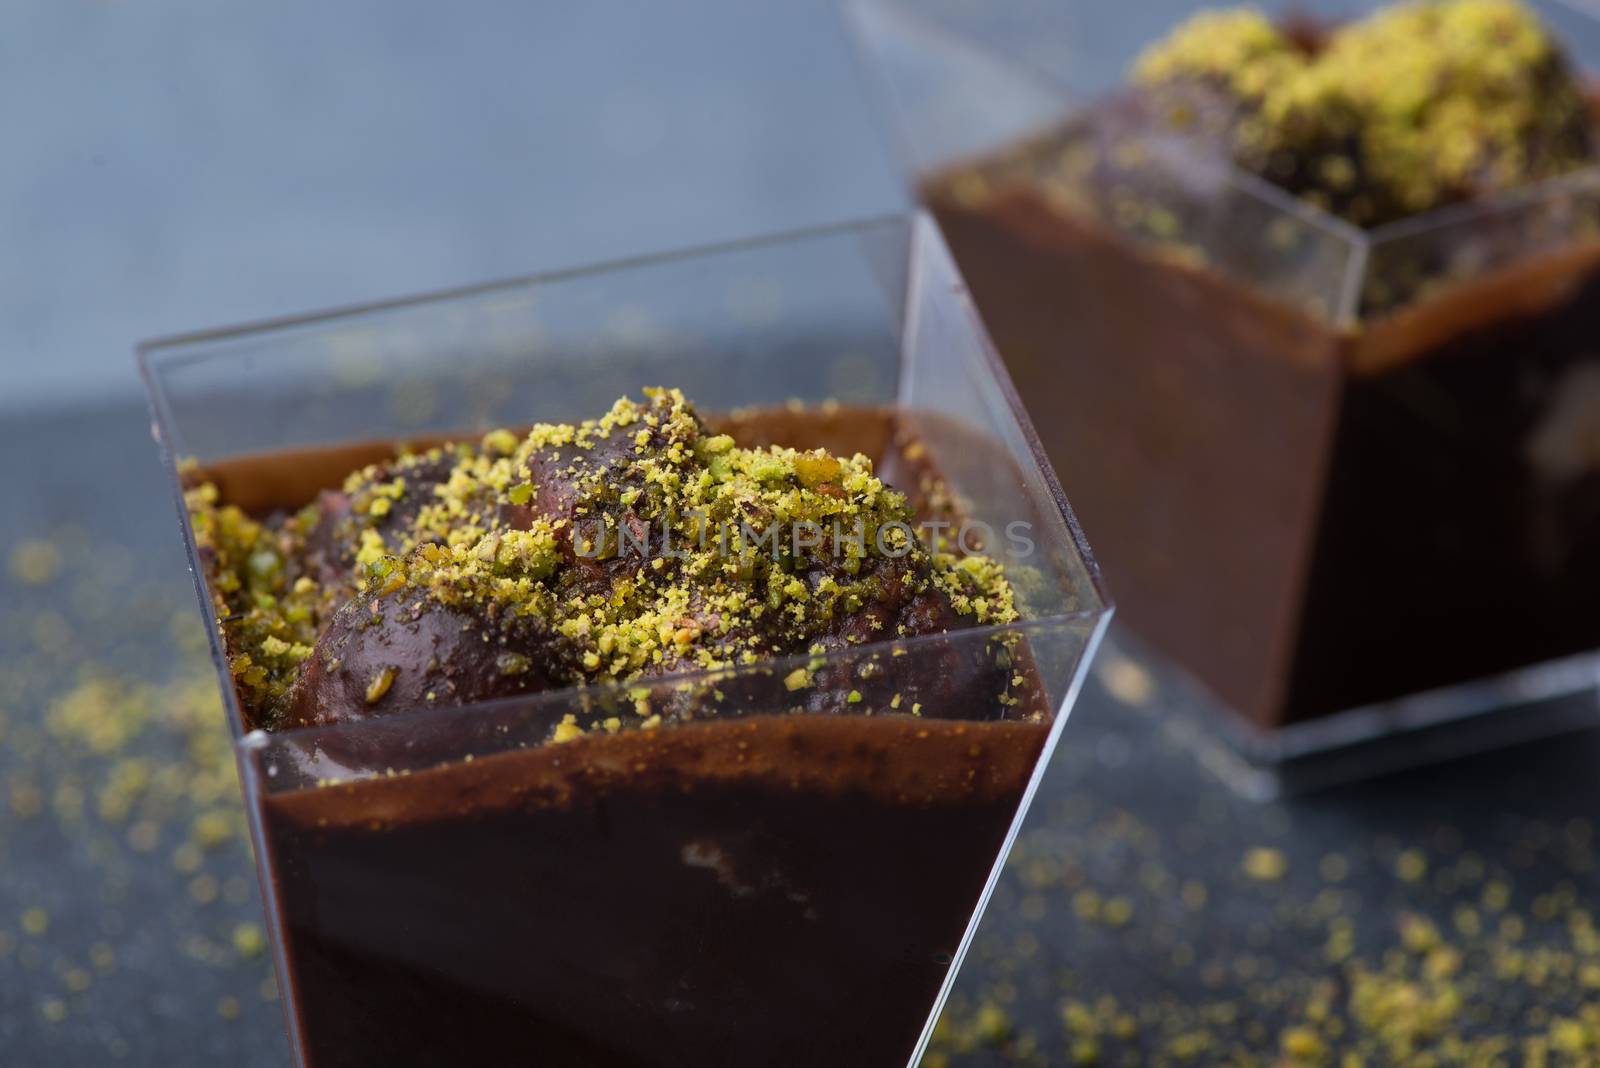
{"x":1420,"y":106}
{"x":1414,"y":107}
{"x":676,"y":872}
{"x":1311,"y":299}
{"x":776,"y":890}
{"x":628,"y":547}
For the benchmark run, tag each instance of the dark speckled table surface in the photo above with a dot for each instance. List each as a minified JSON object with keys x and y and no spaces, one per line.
{"x":1148,"y":916}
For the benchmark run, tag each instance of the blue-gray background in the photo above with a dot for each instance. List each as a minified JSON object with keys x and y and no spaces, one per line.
{"x":178,"y":164}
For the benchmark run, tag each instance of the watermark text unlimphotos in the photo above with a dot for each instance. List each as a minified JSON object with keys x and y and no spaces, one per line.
{"x":599,"y":539}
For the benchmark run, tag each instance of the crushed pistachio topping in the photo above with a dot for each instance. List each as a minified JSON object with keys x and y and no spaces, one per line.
{"x":1418,"y":105}
{"x":1240,"y":45}
{"x":379,"y":686}
{"x":269,"y":612}
{"x":639,"y":543}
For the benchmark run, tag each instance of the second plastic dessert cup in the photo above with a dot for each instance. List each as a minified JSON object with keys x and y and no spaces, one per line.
{"x":769,"y":886}
{"x":1338,"y":473}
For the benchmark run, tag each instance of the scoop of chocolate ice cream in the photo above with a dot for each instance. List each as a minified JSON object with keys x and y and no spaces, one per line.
{"x":403,"y":651}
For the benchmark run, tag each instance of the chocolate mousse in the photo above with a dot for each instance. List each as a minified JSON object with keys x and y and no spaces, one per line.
{"x":684,"y":858}
{"x":1317,"y":310}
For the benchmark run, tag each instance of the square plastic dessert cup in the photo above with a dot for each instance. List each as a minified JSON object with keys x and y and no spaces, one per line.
{"x":1337,"y":474}
{"x":446,"y":886}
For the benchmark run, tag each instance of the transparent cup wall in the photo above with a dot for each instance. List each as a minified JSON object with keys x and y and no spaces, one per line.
{"x":443,"y":884}
{"x":1327,"y":468}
